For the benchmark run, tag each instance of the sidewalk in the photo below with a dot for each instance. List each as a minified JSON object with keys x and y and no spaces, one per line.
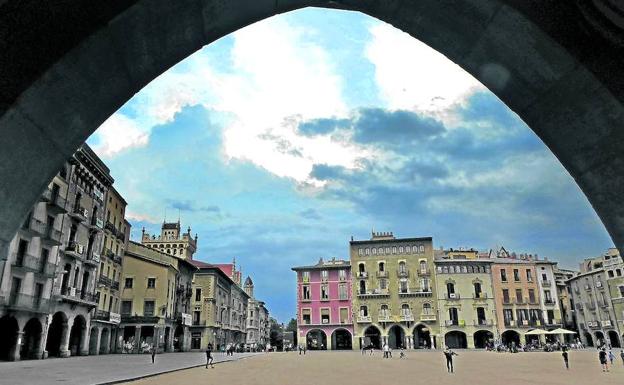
{"x":101,"y":369}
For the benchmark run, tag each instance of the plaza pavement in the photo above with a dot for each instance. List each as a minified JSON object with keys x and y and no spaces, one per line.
{"x":346,"y":368}
{"x":101,"y":369}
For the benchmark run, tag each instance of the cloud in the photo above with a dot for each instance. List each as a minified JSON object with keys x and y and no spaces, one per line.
{"x":310,"y":214}
{"x":119,"y":133}
{"x":187,"y":205}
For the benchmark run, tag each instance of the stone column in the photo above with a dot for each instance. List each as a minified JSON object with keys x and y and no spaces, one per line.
{"x":410,"y":343}
{"x":83,"y":350}
{"x":98,"y":340}
{"x":470,"y":341}
{"x":107,"y":343}
{"x":431,"y":341}
{"x":14,"y":353}
{"x":137,"y":339}
{"x":157,"y":339}
{"x":64,"y":348}
{"x":169,"y":342}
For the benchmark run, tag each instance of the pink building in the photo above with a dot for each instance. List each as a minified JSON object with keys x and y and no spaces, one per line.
{"x":324,"y":319}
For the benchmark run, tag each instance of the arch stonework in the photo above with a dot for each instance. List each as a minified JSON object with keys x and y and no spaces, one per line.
{"x":556,"y":72}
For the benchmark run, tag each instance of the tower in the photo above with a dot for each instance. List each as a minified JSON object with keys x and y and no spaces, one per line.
{"x":249,"y":287}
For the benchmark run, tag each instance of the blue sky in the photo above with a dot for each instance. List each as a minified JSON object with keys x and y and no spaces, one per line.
{"x":279,"y":142}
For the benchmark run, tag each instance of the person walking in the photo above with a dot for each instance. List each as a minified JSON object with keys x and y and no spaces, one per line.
{"x":611,"y":357}
{"x":602,"y":356}
{"x":565,"y":358}
{"x":153,"y":353}
{"x":448,"y":353}
{"x":386,"y":349}
{"x":209,"y":358}
{"x":622,"y":355}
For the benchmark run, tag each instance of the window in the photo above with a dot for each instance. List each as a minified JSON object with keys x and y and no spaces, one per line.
{"x":405,"y":310}
{"x":361,"y":268}
{"x":394,"y":249}
{"x":342,"y":274}
{"x":362,"y":287}
{"x":367,"y":251}
{"x":344,"y":315}
{"x":128,"y":283}
{"x":477,"y":289}
{"x":151,"y":283}
{"x":518,"y":295}
{"x":503,"y":275}
{"x":305,"y":316}
{"x":547,"y":296}
{"x":383,"y":311}
{"x":532,"y":295}
{"x":453,"y":316}
{"x":618,"y":272}
{"x":516,"y":274}
{"x":426,"y":309}
{"x":402,"y":268}
{"x":305,"y":276}
{"x":481,"y":316}
{"x":306,"y":292}
{"x":325,"y":316}
{"x":508,"y":316}
{"x":364,"y":311}
{"x":342,"y":292}
{"x":324,"y":275}
{"x":374,"y":251}
{"x":198,"y":294}
{"x":610,"y":273}
{"x":360,"y":251}
{"x":506,"y":296}
{"x":324,"y":292}
{"x":383,"y":284}
{"x":126,"y":307}
{"x":424,"y":284}
{"x":400,"y":249}
{"x":403,"y":286}
{"x":196,"y":317}
{"x":450,"y":289}
{"x":422,"y":248}
{"x":529,"y":276}
{"x":423,"y":267}
{"x":621,"y":288}
{"x":382,"y":267}
{"x":387,"y":250}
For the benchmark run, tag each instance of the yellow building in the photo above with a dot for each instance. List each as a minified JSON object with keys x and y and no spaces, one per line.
{"x":104,"y":337}
{"x":465,"y":299}
{"x":394,"y":298}
{"x":219,"y":308}
{"x":155,"y":299}
{"x":171,"y":241}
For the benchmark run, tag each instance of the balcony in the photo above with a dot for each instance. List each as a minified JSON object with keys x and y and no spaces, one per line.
{"x":599,"y":285}
{"x":593,"y":324}
{"x":34,"y":227}
{"x":588,"y":288}
{"x":26,"y":302}
{"x":79,"y":213}
{"x":424,"y":272}
{"x":121,"y":236}
{"x":407,"y":317}
{"x":415,"y":293}
{"x":382,"y":274}
{"x":74,"y":249}
{"x":384,"y":317}
{"x":342,"y":278}
{"x":546,"y":283}
{"x":374,"y":294}
{"x":607,"y":324}
{"x":93,"y":259}
{"x":590,"y":305}
{"x":139,"y":319}
{"x":104,"y":281}
{"x":71,"y":295}
{"x":361,"y":274}
{"x":115,"y":285}
{"x":524,"y":324}
{"x":52,"y":237}
{"x":55,"y":204}
{"x":110,"y":228}
{"x":549,"y":301}
{"x":483,"y":322}
{"x":455,"y":322}
{"x":363,"y":319}
{"x":554,"y":322}
{"x":403,"y":273}
{"x":479,"y":296}
{"x":31,"y":263}
{"x":428,"y":317}
{"x":453,"y":296}
{"x":510,"y":323}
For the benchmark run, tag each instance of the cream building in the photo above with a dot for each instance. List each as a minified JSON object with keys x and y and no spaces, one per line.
{"x":394,"y":290}
{"x":466,"y":304}
{"x":257,"y":320}
{"x":172,"y":241}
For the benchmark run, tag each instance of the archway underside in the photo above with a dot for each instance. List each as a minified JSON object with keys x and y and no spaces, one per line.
{"x":68,"y":66}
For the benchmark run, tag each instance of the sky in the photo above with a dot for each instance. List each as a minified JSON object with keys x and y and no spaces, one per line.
{"x":279,"y":142}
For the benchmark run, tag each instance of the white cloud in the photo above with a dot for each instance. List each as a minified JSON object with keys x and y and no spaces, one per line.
{"x":411,"y":75}
{"x":132,"y":216}
{"x":119,"y":133}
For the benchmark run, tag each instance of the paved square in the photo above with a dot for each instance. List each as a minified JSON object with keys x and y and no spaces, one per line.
{"x":329,"y":368}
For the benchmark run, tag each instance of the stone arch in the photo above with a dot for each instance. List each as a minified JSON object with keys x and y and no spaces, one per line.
{"x":9,"y":331}
{"x":614,"y":339}
{"x":589,"y":340}
{"x":31,"y":340}
{"x":396,"y":337}
{"x":105,"y":341}
{"x":421,"y":335}
{"x":456,"y":340}
{"x":93,"y":340}
{"x":341,"y":339}
{"x":77,"y":335}
{"x":600,"y":338}
{"x":482,"y":338}
{"x":510,"y":337}
{"x":316,"y":339}
{"x":547,"y":63}
{"x":371,"y":337}
{"x":56,"y":332}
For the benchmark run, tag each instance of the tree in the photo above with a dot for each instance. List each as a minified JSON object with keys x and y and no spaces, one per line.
{"x":292,"y":327}
{"x":277,"y":334}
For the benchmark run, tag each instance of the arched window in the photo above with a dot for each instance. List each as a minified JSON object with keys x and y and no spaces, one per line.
{"x":610,"y":273}
{"x":618,"y":272}
{"x":400,"y":249}
{"x":450,"y":289}
{"x":426,"y":308}
{"x":402,"y":268}
{"x":380,"y":250}
{"x":405,"y":309}
{"x":383,"y":311}
{"x":374,"y":251}
{"x":367,"y":251}
{"x":423,"y":267}
{"x":422,"y":248}
{"x":361,"y":268}
{"x":364,"y":311}
{"x":415,"y":249}
{"x":382,"y":267}
{"x":362,"y":287}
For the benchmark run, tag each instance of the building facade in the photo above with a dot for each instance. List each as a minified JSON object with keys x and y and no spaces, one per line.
{"x":593,"y":307}
{"x":104,"y":337}
{"x":155,"y":292}
{"x":394,"y":290}
{"x":466,"y":305}
{"x":324,"y":307}
{"x":257,"y":320}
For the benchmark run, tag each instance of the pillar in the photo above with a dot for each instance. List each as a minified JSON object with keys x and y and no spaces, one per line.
{"x":64,"y":348}
{"x":410,"y":343}
{"x":432,"y":341}
{"x":83,"y":349}
{"x":14,"y":353}
{"x":106,"y":349}
{"x":98,"y":340}
{"x":169,"y":342}
{"x":384,"y":340}
{"x":137,"y":339}
{"x":158,"y":339}
{"x":186,"y":340}
{"x":470,"y":341}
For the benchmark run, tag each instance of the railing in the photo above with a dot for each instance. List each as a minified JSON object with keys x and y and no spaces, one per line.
{"x":382,"y":274}
{"x":510,"y":323}
{"x":424,"y":273}
{"x":483,"y":322}
{"x":26,"y":302}
{"x":607,"y":324}
{"x":36,"y":226}
{"x":75,"y":248}
{"x":72,"y":295}
{"x":407,"y":317}
{"x":587,"y":287}
{"x":403,"y":273}
{"x":115,"y":285}
{"x":110,"y":227}
{"x":104,"y":280}
{"x":375,"y":293}
{"x":53,"y":199}
{"x":384,"y":317}
{"x":416,"y":293}
{"x":102,"y":315}
{"x":453,"y":296}
{"x":549,"y":301}
{"x":480,"y":296}
{"x":363,"y":319}
{"x":546,"y":283}
{"x":32,"y":263}
{"x":428,"y":317}
{"x":148,"y":319}
{"x":80,"y":212}
{"x":455,"y":322}
{"x":53,"y":235}
{"x":361,"y":274}
{"x":599,"y":284}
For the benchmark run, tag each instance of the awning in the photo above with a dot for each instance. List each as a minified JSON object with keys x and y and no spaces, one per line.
{"x":536,"y":332}
{"x":561,"y":331}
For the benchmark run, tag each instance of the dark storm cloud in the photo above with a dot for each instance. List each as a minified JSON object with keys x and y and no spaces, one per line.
{"x":322,"y":126}
{"x":379,"y":126}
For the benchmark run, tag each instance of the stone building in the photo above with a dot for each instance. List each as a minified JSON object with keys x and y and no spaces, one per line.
{"x":172,"y":241}
{"x":551,"y":311}
{"x":219,"y":308}
{"x":156,"y":292}
{"x":564,"y":296}
{"x":593,"y":307}
{"x":104,"y":337}
{"x":257,"y":320}
{"x":394,"y":292}
{"x":324,"y":308}
{"x":466,"y":305}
